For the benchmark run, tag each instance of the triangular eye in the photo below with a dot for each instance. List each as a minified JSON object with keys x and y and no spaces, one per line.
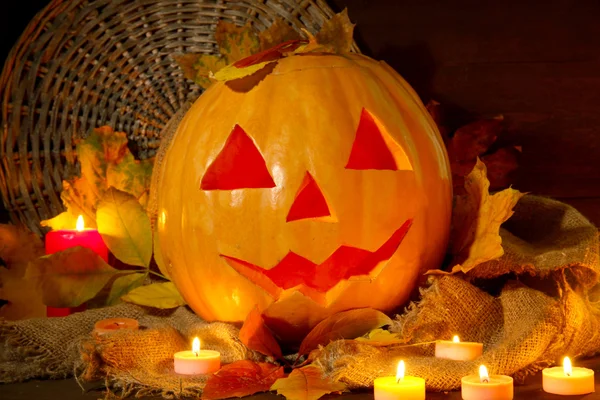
{"x":239,"y":165}
{"x":374,"y":148}
{"x":309,"y":202}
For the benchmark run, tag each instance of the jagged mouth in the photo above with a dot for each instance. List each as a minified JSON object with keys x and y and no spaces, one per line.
{"x":315,"y":280}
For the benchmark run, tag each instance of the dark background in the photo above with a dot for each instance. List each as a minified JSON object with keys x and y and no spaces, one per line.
{"x":535,"y":62}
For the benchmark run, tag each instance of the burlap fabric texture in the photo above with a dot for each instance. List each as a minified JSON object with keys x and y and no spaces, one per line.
{"x":532,"y":306}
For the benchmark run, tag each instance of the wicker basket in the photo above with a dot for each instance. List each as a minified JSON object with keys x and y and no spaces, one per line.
{"x":81,"y":64}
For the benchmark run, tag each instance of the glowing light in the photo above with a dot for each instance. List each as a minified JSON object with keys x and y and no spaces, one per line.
{"x":400,"y":371}
{"x":196,"y":346}
{"x":483,"y":374}
{"x":455,"y":339}
{"x":79,"y":225}
{"x":567,"y":367}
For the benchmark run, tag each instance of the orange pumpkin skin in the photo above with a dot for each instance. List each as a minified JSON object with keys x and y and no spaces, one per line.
{"x":303,"y":119}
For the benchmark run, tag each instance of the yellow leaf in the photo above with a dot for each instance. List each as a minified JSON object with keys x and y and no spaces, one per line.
{"x":337,"y":33}
{"x":71,"y":277}
{"x":64,"y":220}
{"x":344,"y":325}
{"x":277,"y":33}
{"x":477,"y":216}
{"x":18,"y":247}
{"x":206,"y":66}
{"x":125,"y":228}
{"x":306,"y":383}
{"x":380,"y":337}
{"x":123,"y":285}
{"x":236,"y":42}
{"x":157,"y":295}
{"x":158,"y":257}
{"x":231,"y":72}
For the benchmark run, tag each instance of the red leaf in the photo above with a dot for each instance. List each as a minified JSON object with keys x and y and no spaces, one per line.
{"x":241,"y":378}
{"x":500,"y":166}
{"x":344,"y":325}
{"x":272,"y":54}
{"x":256,"y":336}
{"x":474,"y":139}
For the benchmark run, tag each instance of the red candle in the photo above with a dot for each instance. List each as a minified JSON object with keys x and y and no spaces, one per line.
{"x":66,"y":238}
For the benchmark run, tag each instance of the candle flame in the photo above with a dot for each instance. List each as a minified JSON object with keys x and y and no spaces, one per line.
{"x":400,"y":371}
{"x":455,"y":339}
{"x":79,"y":225}
{"x":196,"y":346}
{"x":567,"y":367}
{"x":483,"y":374}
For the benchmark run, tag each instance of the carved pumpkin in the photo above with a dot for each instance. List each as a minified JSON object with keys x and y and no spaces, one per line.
{"x":322,"y":188}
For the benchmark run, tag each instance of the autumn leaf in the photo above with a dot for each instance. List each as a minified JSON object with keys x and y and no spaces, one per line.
{"x":123,"y":285}
{"x":186,"y":63}
{"x":71,"y":277}
{"x":306,"y":383}
{"x":236,"y":42}
{"x":474,"y":139}
{"x":206,"y":66}
{"x":380,"y":337}
{"x":18,"y":247}
{"x":279,"y":32}
{"x":256,"y":336}
{"x":476,"y":220}
{"x":336,"y":33}
{"x":105,"y":161}
{"x":241,"y":378}
{"x":158,"y":256}
{"x":500,"y":165}
{"x":344,"y":325}
{"x":157,"y":295}
{"x":125,"y":227}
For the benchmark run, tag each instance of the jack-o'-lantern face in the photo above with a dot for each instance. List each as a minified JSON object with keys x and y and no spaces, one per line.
{"x":323,"y":188}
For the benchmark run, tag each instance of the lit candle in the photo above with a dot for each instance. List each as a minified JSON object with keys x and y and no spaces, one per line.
{"x":568,"y":380}
{"x":112,"y":325}
{"x":487,"y":387}
{"x":399,"y":386}
{"x":197,"y":361}
{"x":457,"y":350}
{"x":66,"y":238}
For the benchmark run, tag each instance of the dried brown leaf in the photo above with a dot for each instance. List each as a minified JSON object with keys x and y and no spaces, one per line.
{"x":241,"y":378}
{"x":256,"y":336}
{"x":236,"y":42}
{"x":344,"y":325}
{"x":279,"y":32}
{"x":186,"y":63}
{"x":306,"y":383}
{"x":474,"y":139}
{"x":476,"y":220}
{"x":337,"y":33}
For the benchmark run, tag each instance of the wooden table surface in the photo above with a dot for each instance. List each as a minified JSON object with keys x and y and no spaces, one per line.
{"x":67,"y":389}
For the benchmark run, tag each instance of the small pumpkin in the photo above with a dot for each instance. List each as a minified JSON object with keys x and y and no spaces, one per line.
{"x":322,"y":187}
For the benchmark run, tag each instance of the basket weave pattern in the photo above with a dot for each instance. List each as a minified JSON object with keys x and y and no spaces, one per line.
{"x":81,"y":64}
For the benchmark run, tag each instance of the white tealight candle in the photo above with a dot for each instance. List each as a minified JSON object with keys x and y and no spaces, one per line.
{"x":457,"y":350}
{"x":568,"y":380}
{"x":399,"y":386}
{"x":487,"y":387}
{"x":197,"y":361}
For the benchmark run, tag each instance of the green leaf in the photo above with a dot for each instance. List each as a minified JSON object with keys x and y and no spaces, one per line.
{"x":158,"y":295}
{"x":71,"y":277}
{"x":158,"y":257}
{"x":125,"y":228}
{"x":344,"y":325}
{"x":123,"y":285}
{"x":306,"y":383}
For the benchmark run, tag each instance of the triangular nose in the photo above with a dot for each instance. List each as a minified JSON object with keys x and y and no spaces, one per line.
{"x":309,"y":202}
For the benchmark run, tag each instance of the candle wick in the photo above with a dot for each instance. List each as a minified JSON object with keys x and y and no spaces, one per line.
{"x":399,"y":380}
{"x":567,"y":373}
{"x":196,"y":353}
{"x":485,"y":380}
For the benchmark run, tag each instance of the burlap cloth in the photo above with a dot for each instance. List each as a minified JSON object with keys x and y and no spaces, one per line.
{"x":532,"y":306}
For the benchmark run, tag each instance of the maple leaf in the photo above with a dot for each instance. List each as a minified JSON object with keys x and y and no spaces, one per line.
{"x":236,"y":42}
{"x":241,"y":378}
{"x":477,"y":216}
{"x":306,"y":383}
{"x":256,"y":336}
{"x":105,"y":161}
{"x":18,"y":247}
{"x":477,"y":139}
{"x":344,"y":325}
{"x":279,"y":32}
{"x":336,"y":33}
